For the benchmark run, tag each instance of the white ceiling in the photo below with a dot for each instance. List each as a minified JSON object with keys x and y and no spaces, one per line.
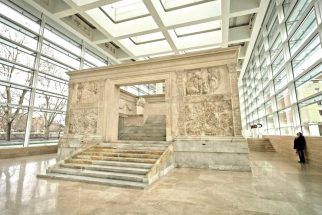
{"x":142,"y":29}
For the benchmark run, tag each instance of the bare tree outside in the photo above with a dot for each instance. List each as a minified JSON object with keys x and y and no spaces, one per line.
{"x":52,"y":105}
{"x":12,"y":99}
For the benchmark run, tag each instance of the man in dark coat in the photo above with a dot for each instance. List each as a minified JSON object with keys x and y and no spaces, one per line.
{"x":299,"y":145}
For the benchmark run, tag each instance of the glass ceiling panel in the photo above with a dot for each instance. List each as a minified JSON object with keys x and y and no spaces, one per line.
{"x":200,"y":28}
{"x":83,"y":2}
{"x":147,"y":38}
{"x":125,"y":10}
{"x":177,"y":4}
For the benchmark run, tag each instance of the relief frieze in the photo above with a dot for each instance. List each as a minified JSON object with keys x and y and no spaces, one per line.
{"x":83,"y":121}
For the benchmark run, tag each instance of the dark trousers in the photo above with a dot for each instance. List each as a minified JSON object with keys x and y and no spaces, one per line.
{"x":301,"y":155}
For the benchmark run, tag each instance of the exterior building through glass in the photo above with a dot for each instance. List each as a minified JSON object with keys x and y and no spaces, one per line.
{"x":282,"y":84}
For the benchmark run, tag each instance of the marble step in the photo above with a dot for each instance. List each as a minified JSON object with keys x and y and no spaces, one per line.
{"x":149,"y":143}
{"x":114,"y":154}
{"x":143,"y":138}
{"x":116,"y":150}
{"x":134,"y":145}
{"x":85,"y":179}
{"x":125,"y":159}
{"x":151,"y":148}
{"x":99,"y":174}
{"x":118,"y":169}
{"x":110,"y":163}
{"x":142,"y":132}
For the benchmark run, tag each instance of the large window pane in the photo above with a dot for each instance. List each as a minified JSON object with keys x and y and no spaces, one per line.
{"x":280,"y":81}
{"x":285,"y":118}
{"x":266,"y":76}
{"x":15,"y":74}
{"x":270,"y":121}
{"x":14,"y":95}
{"x":307,"y":57}
{"x":48,"y":101}
{"x":268,"y":107}
{"x":12,"y":125}
{"x":311,"y":117}
{"x":53,"y":68}
{"x":51,"y":84}
{"x":29,"y":22}
{"x":59,"y":54}
{"x":273,"y":31}
{"x":310,"y":83}
{"x":276,"y":47}
{"x":286,"y":5}
{"x":283,"y":99}
{"x":296,"y":13}
{"x":303,"y":32}
{"x":16,"y":54}
{"x":94,"y":59}
{"x":18,"y":35}
{"x":63,"y":41}
{"x":47,"y":127}
{"x":277,"y":63}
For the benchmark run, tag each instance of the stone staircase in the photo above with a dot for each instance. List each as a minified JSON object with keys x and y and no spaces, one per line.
{"x":122,"y":163}
{"x":154,"y":129}
{"x":260,"y":145}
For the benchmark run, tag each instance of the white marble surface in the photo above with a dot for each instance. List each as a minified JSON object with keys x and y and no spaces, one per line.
{"x":275,"y":186}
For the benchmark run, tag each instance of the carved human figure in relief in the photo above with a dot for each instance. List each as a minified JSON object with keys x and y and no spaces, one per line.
{"x":194,"y":119}
{"x":87,"y":92}
{"x":213,"y":79}
{"x":140,"y":105}
{"x":193,"y":84}
{"x":83,"y":121}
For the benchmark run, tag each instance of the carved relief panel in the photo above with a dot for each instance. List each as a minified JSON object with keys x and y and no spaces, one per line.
{"x":85,"y":92}
{"x":85,"y":104}
{"x":206,"y":108}
{"x":83,"y":121}
{"x":205,"y":81}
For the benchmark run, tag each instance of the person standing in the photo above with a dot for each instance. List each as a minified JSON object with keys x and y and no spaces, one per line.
{"x":299,"y":146}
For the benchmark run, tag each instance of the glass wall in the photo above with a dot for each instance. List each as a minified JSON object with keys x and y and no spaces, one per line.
{"x":34,"y":59}
{"x":288,"y":75}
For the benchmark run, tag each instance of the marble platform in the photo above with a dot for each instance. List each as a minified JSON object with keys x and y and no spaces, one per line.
{"x":220,"y":153}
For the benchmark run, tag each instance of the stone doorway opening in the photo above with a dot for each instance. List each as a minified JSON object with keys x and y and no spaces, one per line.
{"x":142,"y":112}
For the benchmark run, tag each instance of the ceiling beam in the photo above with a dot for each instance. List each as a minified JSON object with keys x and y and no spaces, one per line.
{"x":159,"y":22}
{"x":239,"y":34}
{"x":97,"y":4}
{"x":225,"y":7}
{"x":109,"y":37}
{"x":69,"y":28}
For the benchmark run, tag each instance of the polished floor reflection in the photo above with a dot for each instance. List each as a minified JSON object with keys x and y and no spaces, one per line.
{"x":276,"y":186}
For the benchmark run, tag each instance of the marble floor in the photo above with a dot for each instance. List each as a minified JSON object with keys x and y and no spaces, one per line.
{"x":275,"y":186}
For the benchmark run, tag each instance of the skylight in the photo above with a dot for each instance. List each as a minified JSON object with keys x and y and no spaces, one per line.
{"x":197,"y":29}
{"x":147,"y":38}
{"x":125,"y":10}
{"x":177,"y":4}
{"x":83,"y":2}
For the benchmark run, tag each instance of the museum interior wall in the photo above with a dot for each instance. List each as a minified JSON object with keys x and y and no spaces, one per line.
{"x":284,"y":146}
